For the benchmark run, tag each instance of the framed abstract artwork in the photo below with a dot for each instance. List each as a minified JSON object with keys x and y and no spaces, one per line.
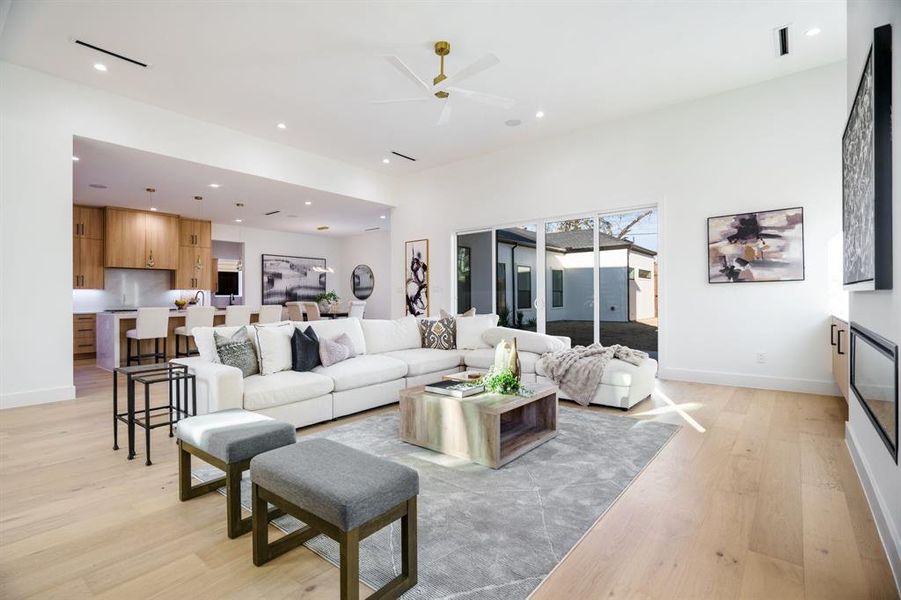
{"x":867,"y":174}
{"x":757,"y":246}
{"x":292,"y":278}
{"x":416,"y":277}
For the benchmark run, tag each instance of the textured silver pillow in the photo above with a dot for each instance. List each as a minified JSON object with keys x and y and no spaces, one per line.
{"x":237,"y":351}
{"x":335,"y":350}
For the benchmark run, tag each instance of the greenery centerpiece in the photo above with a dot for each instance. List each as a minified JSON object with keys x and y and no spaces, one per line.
{"x":326,"y":300}
{"x":501,"y":381}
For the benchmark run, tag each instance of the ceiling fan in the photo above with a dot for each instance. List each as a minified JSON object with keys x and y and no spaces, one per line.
{"x":443,"y":85}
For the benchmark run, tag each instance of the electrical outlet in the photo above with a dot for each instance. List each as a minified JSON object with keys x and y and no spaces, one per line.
{"x":761,"y":358}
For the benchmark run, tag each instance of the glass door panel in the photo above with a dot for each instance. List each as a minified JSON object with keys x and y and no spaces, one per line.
{"x":474,"y":261}
{"x":569,"y":279}
{"x":516,"y":280}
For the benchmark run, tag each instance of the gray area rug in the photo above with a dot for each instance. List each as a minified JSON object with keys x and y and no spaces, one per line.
{"x":487,"y":533}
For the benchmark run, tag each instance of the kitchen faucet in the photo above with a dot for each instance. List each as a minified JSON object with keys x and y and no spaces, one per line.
{"x":200,"y":293}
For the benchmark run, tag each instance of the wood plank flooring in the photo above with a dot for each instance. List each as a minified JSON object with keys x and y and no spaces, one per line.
{"x":764,"y":503}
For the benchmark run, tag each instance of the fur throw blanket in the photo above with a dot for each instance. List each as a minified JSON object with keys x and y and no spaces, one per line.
{"x":578,"y":371}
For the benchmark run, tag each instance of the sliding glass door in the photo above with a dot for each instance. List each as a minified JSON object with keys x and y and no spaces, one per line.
{"x":516,"y":282}
{"x":474,"y":262}
{"x":569,"y":290}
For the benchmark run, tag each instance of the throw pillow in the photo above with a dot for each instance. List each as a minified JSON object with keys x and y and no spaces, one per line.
{"x":443,"y":314}
{"x":469,"y":331}
{"x":305,"y":350}
{"x":274,"y":347}
{"x":237,"y":351}
{"x":440,"y":334}
{"x":335,"y":350}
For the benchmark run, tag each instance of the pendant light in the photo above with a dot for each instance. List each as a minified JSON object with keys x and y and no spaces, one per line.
{"x":150,"y":262}
{"x":198,"y":263}
{"x":240,"y":266}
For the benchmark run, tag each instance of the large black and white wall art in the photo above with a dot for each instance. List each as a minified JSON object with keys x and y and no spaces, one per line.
{"x":757,"y":246}
{"x":292,"y":278}
{"x":867,"y":173}
{"x":416,"y":277}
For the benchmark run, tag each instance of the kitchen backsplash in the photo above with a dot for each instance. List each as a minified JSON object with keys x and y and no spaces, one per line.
{"x":126,"y":288}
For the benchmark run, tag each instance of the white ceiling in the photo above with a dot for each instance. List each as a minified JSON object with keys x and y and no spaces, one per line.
{"x":316,"y":65}
{"x":128,"y":172}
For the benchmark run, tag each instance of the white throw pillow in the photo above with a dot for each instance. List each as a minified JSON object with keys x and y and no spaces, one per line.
{"x":470,"y":330}
{"x":384,"y":335}
{"x":274,"y":345}
{"x":526,"y":341}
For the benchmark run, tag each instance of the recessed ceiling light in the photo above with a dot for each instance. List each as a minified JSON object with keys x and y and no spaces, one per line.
{"x":239,"y":220}
{"x":282,"y":126}
{"x":386,"y":161}
{"x":512,"y":122}
{"x":214,"y":185}
{"x":75,"y":159}
{"x":308,"y":203}
{"x":383,"y":217}
{"x":539,"y":114}
{"x":812,"y":31}
{"x":239,"y":204}
{"x":100,"y":67}
{"x":153,"y":208}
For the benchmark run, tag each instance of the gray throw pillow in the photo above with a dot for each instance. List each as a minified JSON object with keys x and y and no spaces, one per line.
{"x":237,"y":351}
{"x":333,"y":351}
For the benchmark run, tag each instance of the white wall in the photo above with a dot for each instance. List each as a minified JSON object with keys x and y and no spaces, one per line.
{"x":878,"y":311}
{"x":39,"y":115}
{"x":374,"y":249}
{"x":641,"y":291}
{"x":769,"y":146}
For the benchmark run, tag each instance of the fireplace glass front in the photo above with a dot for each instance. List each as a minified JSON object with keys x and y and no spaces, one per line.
{"x":874,"y":379}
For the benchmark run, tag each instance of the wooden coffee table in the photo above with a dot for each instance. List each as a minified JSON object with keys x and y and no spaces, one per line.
{"x":488,"y":429}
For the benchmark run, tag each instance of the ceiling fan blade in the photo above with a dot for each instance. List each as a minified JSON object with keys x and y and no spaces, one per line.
{"x":486,"y":62}
{"x":445,"y":115}
{"x":398,"y":100}
{"x":490,"y":99}
{"x":406,"y":71}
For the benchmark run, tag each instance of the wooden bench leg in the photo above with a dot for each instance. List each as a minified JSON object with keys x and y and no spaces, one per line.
{"x":409,"y":544}
{"x":236,"y":527}
{"x":260,"y":527}
{"x":186,"y":491}
{"x":350,"y":565}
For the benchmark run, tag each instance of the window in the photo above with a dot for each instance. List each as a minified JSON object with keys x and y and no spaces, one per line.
{"x":502,"y":309}
{"x":523,"y":287}
{"x":644,"y":274}
{"x":464,"y":278}
{"x":556,"y":288}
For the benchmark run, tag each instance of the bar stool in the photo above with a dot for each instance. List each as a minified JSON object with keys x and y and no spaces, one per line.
{"x":195,"y":316}
{"x":295,"y":311}
{"x":236,"y":315}
{"x":311,"y":311}
{"x":270,"y":313}
{"x":152,"y":324}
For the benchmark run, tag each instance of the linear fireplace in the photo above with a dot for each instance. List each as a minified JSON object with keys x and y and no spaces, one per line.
{"x":874,"y":380}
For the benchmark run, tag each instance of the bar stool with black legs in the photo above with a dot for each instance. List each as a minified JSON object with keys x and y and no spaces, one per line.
{"x":237,"y":315}
{"x":195,"y":316}
{"x":153,"y":324}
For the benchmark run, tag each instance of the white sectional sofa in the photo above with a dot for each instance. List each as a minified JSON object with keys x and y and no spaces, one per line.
{"x":389,"y":358}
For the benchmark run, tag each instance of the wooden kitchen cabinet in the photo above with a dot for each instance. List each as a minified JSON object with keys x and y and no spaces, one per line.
{"x":87,"y":248}
{"x":194,"y":232}
{"x":840,"y":339}
{"x":136,"y":239}
{"x":84,"y":334}
{"x":194,"y":268}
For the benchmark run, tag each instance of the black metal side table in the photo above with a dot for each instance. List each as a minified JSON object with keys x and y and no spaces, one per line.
{"x":176,"y":376}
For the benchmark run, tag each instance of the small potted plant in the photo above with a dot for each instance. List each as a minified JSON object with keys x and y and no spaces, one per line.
{"x":502,"y":381}
{"x":327,"y":300}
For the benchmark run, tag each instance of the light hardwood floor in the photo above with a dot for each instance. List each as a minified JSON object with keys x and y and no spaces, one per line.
{"x":764,"y":503}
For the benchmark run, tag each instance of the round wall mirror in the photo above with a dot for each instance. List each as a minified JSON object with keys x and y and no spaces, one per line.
{"x":362,"y":281}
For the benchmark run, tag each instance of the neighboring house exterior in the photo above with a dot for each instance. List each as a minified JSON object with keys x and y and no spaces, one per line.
{"x":628,"y":276}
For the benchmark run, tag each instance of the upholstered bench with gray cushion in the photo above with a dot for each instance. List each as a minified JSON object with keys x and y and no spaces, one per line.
{"x":227,"y":440}
{"x":341,"y":492}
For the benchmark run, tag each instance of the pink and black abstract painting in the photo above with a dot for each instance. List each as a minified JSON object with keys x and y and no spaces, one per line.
{"x":756,"y":246}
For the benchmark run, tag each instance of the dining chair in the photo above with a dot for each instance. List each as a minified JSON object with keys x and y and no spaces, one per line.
{"x":270,"y":313}
{"x":357,"y":308}
{"x":295,"y":311}
{"x":236,"y":315}
{"x":311,"y":311}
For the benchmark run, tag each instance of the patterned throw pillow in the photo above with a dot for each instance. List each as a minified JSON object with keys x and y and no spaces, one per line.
{"x":338,"y":349}
{"x":439,"y":335}
{"x":238,"y":351}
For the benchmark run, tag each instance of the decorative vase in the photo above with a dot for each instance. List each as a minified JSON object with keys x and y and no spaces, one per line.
{"x":506,"y":357}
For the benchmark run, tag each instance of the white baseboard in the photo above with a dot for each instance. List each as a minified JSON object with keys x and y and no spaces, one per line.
{"x":763,"y":382}
{"x":891,"y":540}
{"x":16,"y":399}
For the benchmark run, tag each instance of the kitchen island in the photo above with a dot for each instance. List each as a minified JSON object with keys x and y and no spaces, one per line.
{"x":112,"y":325}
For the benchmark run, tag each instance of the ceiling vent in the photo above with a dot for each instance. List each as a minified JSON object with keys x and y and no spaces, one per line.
{"x":782,"y":41}
{"x":410,"y":158}
{"x":372,"y":229}
{"x":113,"y":54}
{"x":272,"y":212}
{"x":322,"y":228}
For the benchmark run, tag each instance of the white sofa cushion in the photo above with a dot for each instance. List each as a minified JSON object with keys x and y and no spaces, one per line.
{"x":332,"y":328}
{"x":284,"y":387}
{"x":484,"y":359}
{"x":361,"y":371}
{"x":387,"y":335}
{"x":470,"y":330}
{"x":274,"y":347}
{"x":206,"y":344}
{"x":427,"y":360}
{"x":526,"y":341}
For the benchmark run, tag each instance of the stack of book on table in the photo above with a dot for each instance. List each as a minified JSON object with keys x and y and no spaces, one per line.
{"x":457,"y":389}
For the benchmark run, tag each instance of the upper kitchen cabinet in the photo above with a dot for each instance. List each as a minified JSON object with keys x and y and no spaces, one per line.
{"x":195,"y":233}
{"x":87,"y":222}
{"x":136,"y":239}
{"x":87,"y":248}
